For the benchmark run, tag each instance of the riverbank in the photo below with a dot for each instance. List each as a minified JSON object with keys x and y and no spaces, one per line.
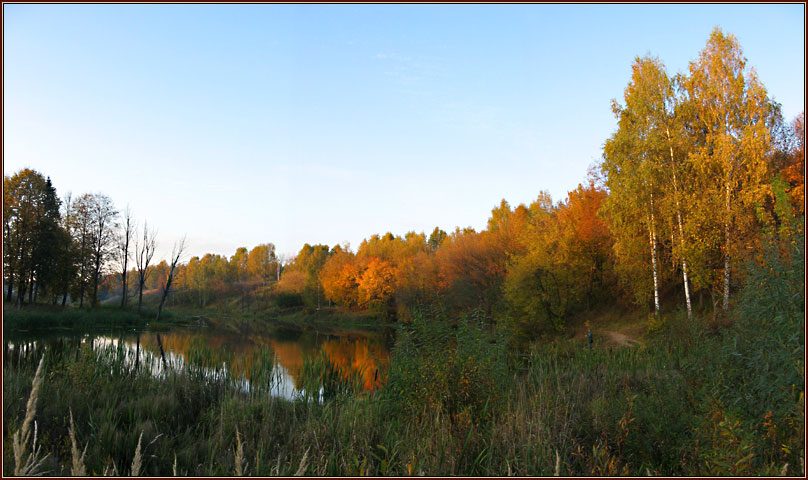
{"x":456,"y":402}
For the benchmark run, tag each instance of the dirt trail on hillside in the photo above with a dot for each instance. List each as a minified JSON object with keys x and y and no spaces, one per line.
{"x":621,"y":339}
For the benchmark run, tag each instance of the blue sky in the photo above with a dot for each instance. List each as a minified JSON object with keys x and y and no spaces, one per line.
{"x":245,"y":124}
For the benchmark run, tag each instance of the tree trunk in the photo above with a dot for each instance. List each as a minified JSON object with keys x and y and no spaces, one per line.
{"x":9,"y":295}
{"x":82,"y":285}
{"x":96,"y":274}
{"x":681,"y":229}
{"x":652,"y":240}
{"x":123,"y":289}
{"x":21,"y":291}
{"x":727,"y":223}
{"x":140,"y":294}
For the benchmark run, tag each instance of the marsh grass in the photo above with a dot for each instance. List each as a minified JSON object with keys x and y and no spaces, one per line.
{"x":690,"y":400}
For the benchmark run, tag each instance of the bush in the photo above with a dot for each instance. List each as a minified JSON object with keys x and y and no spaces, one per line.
{"x":288,"y":300}
{"x":455,"y":369}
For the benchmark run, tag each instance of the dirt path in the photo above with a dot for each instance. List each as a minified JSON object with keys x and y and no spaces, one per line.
{"x":621,"y":339}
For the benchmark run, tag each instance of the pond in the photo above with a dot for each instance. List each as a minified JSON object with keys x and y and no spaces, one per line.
{"x":276,"y":355}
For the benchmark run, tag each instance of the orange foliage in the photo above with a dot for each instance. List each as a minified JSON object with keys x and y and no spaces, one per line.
{"x":795,"y":173}
{"x":377,"y":284}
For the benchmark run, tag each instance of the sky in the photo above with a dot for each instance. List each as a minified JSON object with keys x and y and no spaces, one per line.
{"x":237,"y":125}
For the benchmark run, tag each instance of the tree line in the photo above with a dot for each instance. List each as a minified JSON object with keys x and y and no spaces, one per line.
{"x":701,"y":171}
{"x":58,"y":249}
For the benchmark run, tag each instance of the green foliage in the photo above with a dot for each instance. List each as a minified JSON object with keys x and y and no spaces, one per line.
{"x":36,"y":319}
{"x":323,"y":380}
{"x":288,"y":300}
{"x":452,"y":369}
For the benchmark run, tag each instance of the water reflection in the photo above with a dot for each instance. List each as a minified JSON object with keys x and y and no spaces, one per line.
{"x":257,"y":362}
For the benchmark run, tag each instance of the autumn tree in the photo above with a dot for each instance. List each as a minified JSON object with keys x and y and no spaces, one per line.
{"x":471,"y":268}
{"x":587,"y":243}
{"x":731,"y":115}
{"x":794,"y":172}
{"x":340,"y":277}
{"x":30,"y":233}
{"x":262,"y":262}
{"x":633,"y":169}
{"x":436,"y":239}
{"x":377,"y":283}
{"x":308,"y":262}
{"x":644,"y":163}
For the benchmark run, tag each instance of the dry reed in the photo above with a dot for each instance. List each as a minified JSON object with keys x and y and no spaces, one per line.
{"x":79,"y":469}
{"x":136,"y":462}
{"x":26,"y":463}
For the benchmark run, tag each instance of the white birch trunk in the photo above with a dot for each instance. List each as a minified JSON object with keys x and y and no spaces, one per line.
{"x":726,"y":248}
{"x":681,"y":229}
{"x":652,"y":241}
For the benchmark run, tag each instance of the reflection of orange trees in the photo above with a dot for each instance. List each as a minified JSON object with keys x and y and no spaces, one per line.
{"x":290,"y":356}
{"x":211,"y":351}
{"x":348,"y":355}
{"x":358,"y":356}
{"x":242,"y":358}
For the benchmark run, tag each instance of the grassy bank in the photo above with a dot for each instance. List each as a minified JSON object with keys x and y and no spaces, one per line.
{"x":693,"y":399}
{"x":39,"y":317}
{"x":326,"y":320}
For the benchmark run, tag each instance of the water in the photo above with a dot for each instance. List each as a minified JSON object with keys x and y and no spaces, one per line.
{"x":270,"y":361}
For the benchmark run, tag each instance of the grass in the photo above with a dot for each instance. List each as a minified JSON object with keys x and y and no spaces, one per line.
{"x":39,"y":318}
{"x":693,"y":399}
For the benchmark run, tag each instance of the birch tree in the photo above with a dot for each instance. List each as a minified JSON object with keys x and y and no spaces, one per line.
{"x":732,"y":115}
{"x":632,"y":177}
{"x":652,"y":103}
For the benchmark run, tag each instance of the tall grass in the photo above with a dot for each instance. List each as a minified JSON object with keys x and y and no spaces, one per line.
{"x":691,"y":400}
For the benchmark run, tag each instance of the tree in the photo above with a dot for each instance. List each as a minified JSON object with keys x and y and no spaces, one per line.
{"x":471,"y":266}
{"x":80,"y":222}
{"x":144,"y":251}
{"x":377,"y":283}
{"x":732,"y":115}
{"x":436,"y":239}
{"x":124,"y":239}
{"x":238,"y":263}
{"x":66,"y":268}
{"x":631,"y":201}
{"x":794,"y":172}
{"x":176,"y":254}
{"x":340,"y":278}
{"x":103,"y":217}
{"x":586,"y":244}
{"x":310,"y":261}
{"x":643,"y":160}
{"x":30,"y":232}
{"x":262,"y":262}
{"x":538,"y":287}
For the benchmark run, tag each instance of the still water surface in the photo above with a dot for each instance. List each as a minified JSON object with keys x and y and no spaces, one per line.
{"x":356,"y":352}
